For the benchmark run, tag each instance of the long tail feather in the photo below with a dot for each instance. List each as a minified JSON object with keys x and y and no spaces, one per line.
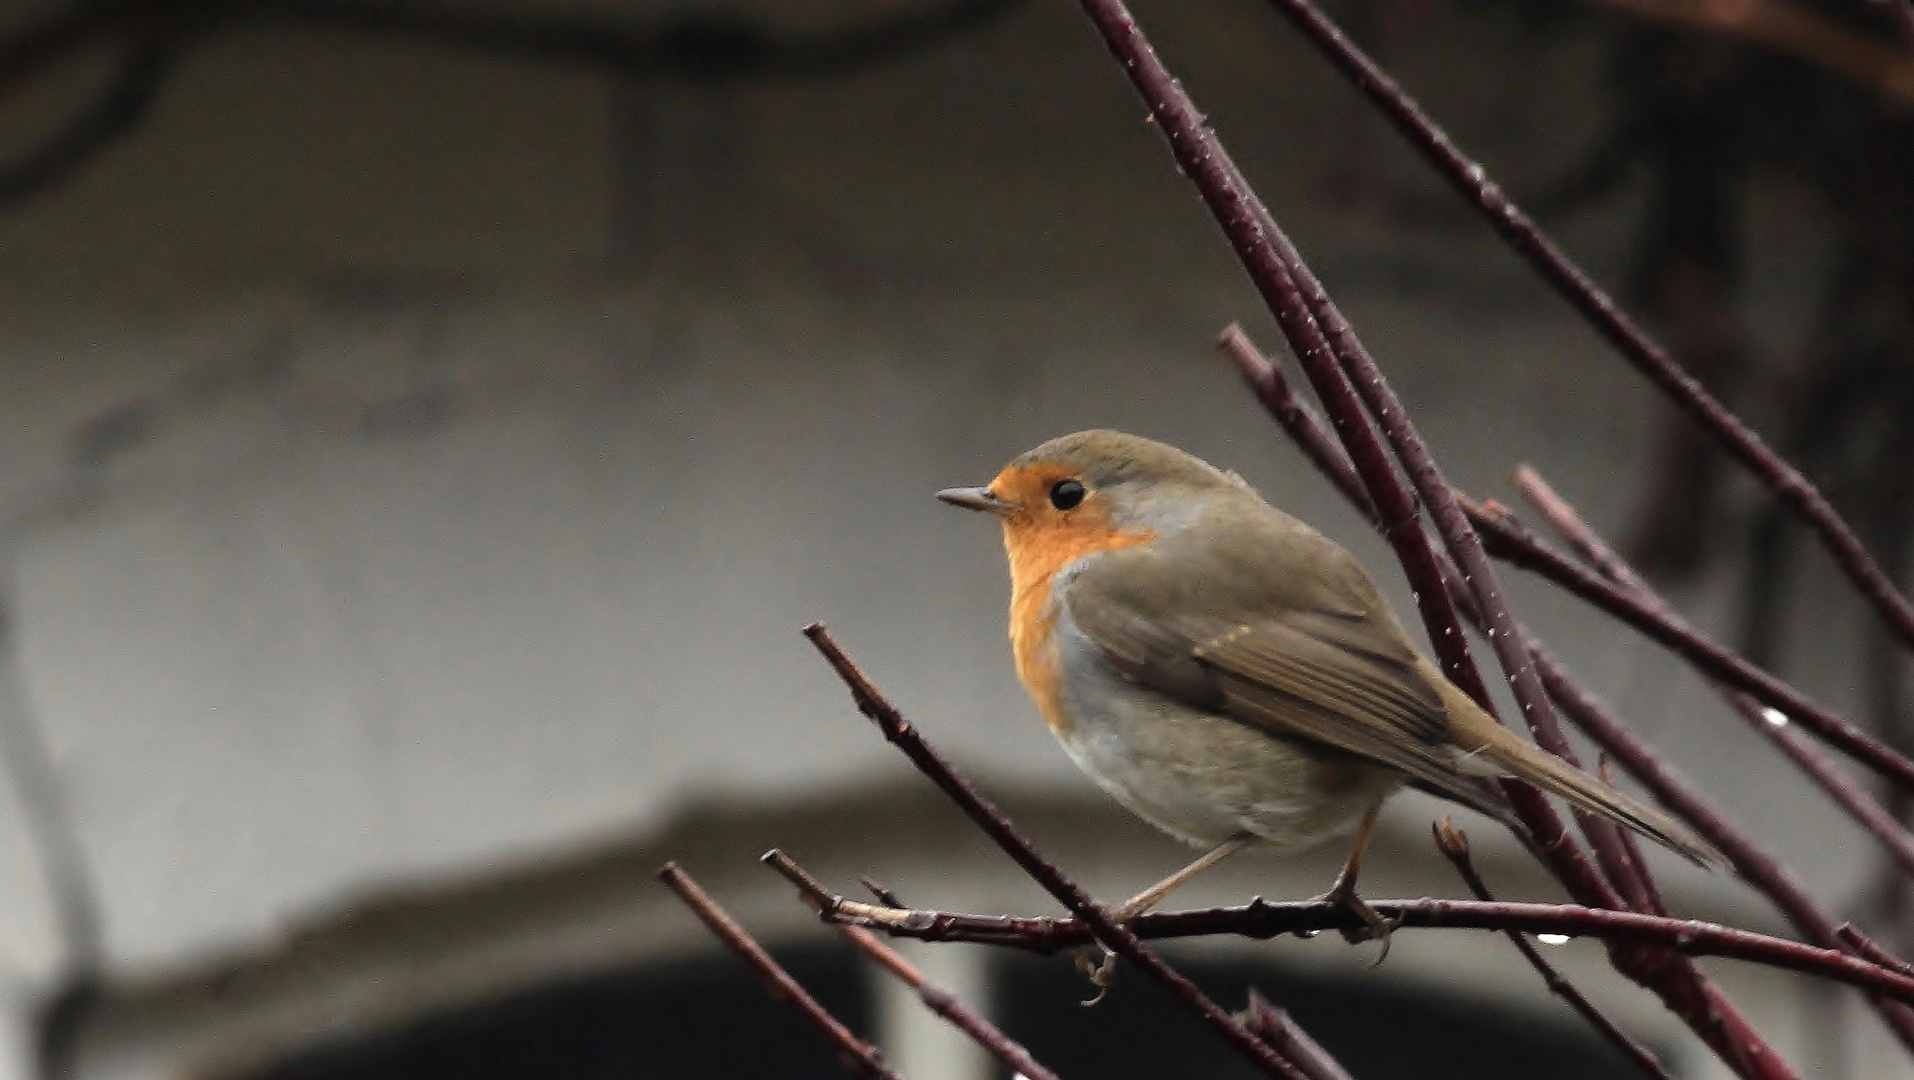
{"x":1479,"y":736}
{"x":1557,"y":777}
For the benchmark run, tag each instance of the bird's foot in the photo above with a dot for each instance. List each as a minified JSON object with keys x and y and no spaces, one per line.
{"x":1100,"y":972}
{"x":1375,"y":927}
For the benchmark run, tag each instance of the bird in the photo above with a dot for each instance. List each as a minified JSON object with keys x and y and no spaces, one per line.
{"x":1233,"y":676}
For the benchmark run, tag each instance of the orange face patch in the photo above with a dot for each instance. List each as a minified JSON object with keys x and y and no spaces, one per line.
{"x":1041,"y":540}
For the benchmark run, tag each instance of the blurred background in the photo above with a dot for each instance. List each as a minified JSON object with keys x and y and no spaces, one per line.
{"x":426,"y":425}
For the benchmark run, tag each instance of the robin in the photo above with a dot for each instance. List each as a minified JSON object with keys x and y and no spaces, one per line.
{"x":1232,"y":675}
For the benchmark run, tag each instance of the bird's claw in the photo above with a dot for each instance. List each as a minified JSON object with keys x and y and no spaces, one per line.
{"x":1101,"y":973}
{"x":1375,"y":926}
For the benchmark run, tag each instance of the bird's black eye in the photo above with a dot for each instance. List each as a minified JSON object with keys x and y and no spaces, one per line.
{"x":1066,"y":494}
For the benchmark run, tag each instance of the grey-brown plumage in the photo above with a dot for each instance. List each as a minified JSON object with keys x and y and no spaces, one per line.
{"x":1172,"y":594}
{"x":1313,"y":653}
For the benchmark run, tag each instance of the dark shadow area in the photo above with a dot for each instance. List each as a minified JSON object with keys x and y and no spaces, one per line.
{"x":1378,"y":1032}
{"x":692,"y":1019}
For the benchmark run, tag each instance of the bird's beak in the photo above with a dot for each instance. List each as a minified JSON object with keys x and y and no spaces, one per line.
{"x":978,"y":498}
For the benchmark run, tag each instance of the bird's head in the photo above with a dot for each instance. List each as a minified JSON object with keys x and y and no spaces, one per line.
{"x":1093,"y":491}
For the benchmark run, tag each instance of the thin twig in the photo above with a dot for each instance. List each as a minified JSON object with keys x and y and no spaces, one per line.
{"x":883,"y":894}
{"x":1266,"y":381}
{"x":1846,"y":792}
{"x":1648,"y":356}
{"x":1569,"y":525}
{"x":1862,"y":945}
{"x":1454,"y":844}
{"x":1775,"y":726}
{"x":1473,"y":584}
{"x":1275,"y":1027}
{"x":1260,"y":246}
{"x":1757,"y":865}
{"x":945,"y":1004}
{"x":859,"y":1056}
{"x":1113,"y":935}
{"x":1261,"y":920}
{"x":1512,"y":542}
{"x":1754,"y":862}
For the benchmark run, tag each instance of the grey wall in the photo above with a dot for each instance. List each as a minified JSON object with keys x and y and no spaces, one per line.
{"x":468,"y":441}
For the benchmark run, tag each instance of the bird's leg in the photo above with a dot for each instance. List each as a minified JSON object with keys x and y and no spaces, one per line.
{"x":1343,"y":893}
{"x":1102,"y":972}
{"x":1154,"y":895}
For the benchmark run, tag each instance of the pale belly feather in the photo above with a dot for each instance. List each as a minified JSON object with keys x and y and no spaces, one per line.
{"x":1200,"y":777}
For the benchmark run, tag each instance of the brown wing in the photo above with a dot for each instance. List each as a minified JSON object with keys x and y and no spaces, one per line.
{"x":1278,"y":629}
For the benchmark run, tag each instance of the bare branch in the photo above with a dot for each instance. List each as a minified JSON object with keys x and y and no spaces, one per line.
{"x":1454,"y":844}
{"x":1514,"y":543}
{"x":1267,"y":382}
{"x":1755,"y":863}
{"x":1648,"y":356}
{"x":1862,"y":945}
{"x":1261,"y":920}
{"x":1775,"y":726}
{"x":1275,"y":1027}
{"x":859,"y":1056}
{"x":1269,"y":260}
{"x":1115,"y":936}
{"x":945,"y":1004}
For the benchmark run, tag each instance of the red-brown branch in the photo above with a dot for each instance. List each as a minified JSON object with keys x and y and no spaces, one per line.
{"x":1756,"y":865}
{"x":1115,"y":936}
{"x":1474,"y":588}
{"x":859,"y":1056}
{"x":1588,"y":298}
{"x":946,"y":1004}
{"x":1753,"y":861}
{"x":1267,"y":257}
{"x":1840,"y":787}
{"x":1261,"y":920}
{"x":1454,"y":844}
{"x":1509,"y":541}
{"x":1275,"y":1027}
{"x":1264,"y":376}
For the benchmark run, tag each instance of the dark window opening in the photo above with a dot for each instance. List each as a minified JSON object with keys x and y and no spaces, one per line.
{"x":1378,"y":1031}
{"x":708,"y":1017}
{"x":694,"y":1019}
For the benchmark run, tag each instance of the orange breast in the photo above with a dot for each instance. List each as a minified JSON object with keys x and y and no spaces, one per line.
{"x":1038,"y":550}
